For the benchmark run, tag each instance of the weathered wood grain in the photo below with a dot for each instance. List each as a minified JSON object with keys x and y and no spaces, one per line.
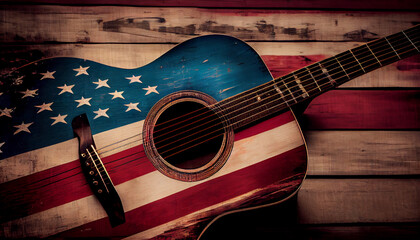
{"x":332,"y":208}
{"x":45,"y":31}
{"x":364,"y":109}
{"x":107,"y":24}
{"x":324,"y":4}
{"x":281,"y":58}
{"x":363,"y":152}
{"x":323,"y":201}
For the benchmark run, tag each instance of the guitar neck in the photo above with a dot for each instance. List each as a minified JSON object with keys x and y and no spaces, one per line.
{"x":313,"y":80}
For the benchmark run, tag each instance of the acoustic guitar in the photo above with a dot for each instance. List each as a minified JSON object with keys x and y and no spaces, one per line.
{"x":89,"y":150}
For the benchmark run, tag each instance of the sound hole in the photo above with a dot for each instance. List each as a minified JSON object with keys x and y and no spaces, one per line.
{"x":188,"y":135}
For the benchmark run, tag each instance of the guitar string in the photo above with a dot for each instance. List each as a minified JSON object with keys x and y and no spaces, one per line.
{"x":255,"y":102}
{"x":217,"y":130}
{"x":179,"y":130}
{"x":238,"y":110}
{"x":143,"y":150}
{"x":269,"y":86}
{"x":372,"y":42}
{"x":97,"y":169}
{"x":330,"y":86}
{"x":140,"y":139}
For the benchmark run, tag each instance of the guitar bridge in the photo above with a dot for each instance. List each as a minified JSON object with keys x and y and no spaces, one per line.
{"x":95,"y":172}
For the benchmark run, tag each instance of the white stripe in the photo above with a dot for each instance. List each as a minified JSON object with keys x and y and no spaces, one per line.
{"x":184,"y":222}
{"x":28,"y":163}
{"x":153,"y":186}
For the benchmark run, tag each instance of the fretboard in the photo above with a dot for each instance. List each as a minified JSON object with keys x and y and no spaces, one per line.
{"x":313,"y":80}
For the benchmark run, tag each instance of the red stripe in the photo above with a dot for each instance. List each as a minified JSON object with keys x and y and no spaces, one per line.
{"x":282,"y":65}
{"x":65,"y":183}
{"x":364,"y":109}
{"x":257,"y":176}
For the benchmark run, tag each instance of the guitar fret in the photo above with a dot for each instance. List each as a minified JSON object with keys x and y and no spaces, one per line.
{"x":322,"y":76}
{"x":402,"y":45}
{"x":392,"y":48}
{"x":319,"y":76}
{"x":284,"y":92}
{"x":357,"y":60}
{"x":366,"y":58}
{"x":410,"y":41}
{"x":325,"y":71}
{"x":299,"y":83}
{"x":344,"y":70}
{"x":291,"y":94}
{"x":294,"y":86}
{"x":374,"y":54}
{"x":383,"y":51}
{"x":312,"y":76}
{"x":414,"y":35}
{"x":280,"y":92}
{"x":349,"y":64}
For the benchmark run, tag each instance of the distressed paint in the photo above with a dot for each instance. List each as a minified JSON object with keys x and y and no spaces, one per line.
{"x":231,"y":64}
{"x":163,"y":25}
{"x":224,"y":67}
{"x":262,"y":225}
{"x":280,"y":58}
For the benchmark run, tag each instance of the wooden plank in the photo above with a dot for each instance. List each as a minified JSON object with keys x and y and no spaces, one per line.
{"x":323,"y":201}
{"x":364,"y":109}
{"x":281,"y":58}
{"x":317,"y":4}
{"x":332,"y":209}
{"x":363,"y":152}
{"x":107,"y":24}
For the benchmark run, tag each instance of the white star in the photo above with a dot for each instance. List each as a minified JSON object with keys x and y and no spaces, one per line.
{"x":59,"y":118}
{"x":81,"y":70}
{"x":24,"y":127}
{"x":101,"y":113}
{"x":117,"y":94}
{"x":101,"y":83}
{"x":44,"y":106}
{"x":150,"y":89}
{"x":132,"y":106}
{"x":83,"y":101}
{"x":29,"y":93}
{"x":48,"y":74}
{"x":134,"y":79}
{"x":66,"y":88}
{"x":1,"y":144}
{"x":6,"y":112}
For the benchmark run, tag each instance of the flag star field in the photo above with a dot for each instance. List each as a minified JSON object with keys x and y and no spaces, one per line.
{"x":46,"y":95}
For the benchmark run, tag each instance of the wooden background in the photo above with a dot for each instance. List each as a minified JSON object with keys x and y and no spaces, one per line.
{"x":363,"y":138}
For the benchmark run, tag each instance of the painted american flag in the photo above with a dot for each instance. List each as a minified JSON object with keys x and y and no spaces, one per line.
{"x":43,"y":192}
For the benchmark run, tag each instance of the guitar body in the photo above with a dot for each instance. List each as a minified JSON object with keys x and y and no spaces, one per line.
{"x":44,"y":193}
